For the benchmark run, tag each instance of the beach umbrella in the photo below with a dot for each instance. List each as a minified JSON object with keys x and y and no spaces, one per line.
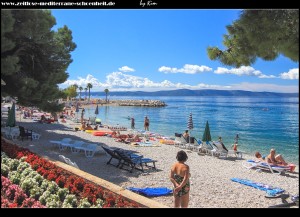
{"x":77,"y":108}
{"x":190,"y":124}
{"x":97,"y":110}
{"x":206,"y":135}
{"x":77,"y":111}
{"x":11,"y":120}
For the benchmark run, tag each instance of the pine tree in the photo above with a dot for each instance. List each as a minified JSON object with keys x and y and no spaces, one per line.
{"x":34,"y":58}
{"x":259,"y":34}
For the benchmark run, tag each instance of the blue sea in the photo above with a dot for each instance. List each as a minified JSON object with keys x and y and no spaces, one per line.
{"x":261,"y":123}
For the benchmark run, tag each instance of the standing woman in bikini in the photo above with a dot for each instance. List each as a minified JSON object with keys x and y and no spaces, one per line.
{"x":179,"y":176}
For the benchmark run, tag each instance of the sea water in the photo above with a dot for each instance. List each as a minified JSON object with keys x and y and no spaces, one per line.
{"x":261,"y":123}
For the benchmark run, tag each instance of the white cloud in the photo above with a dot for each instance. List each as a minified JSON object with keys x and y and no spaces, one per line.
{"x":118,"y":81}
{"x":126,"y":69}
{"x":243,"y":70}
{"x":291,"y":74}
{"x":121,"y":81}
{"x":263,"y":87}
{"x":187,"y":69}
{"x":84,"y":81}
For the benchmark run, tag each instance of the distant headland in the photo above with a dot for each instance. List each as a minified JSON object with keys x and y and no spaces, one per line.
{"x":187,"y":92}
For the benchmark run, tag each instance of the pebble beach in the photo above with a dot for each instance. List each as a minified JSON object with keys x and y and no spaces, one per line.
{"x":211,"y":185}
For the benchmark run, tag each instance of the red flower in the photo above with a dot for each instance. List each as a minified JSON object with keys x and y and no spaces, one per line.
{"x":77,"y":185}
{"x":13,"y":205}
{"x":60,"y":181}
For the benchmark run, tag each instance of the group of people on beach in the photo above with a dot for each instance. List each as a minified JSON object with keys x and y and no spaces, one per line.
{"x":274,"y":159}
{"x":146,"y":123}
{"x":126,"y":138}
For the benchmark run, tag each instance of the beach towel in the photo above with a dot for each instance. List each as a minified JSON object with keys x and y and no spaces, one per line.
{"x":144,"y":144}
{"x":151,"y":192}
{"x":269,"y":189}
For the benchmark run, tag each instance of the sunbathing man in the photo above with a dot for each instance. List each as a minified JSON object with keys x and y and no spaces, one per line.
{"x":278,"y":160}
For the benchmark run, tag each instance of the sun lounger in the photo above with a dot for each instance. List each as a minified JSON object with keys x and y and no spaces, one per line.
{"x":114,"y":155}
{"x":219,"y":150}
{"x":180,"y":141}
{"x":89,"y":149}
{"x":134,"y":162}
{"x":258,"y":165}
{"x":72,"y":145}
{"x":207,"y":148}
{"x":57,"y":142}
{"x":194,"y":145}
{"x":238,"y":154}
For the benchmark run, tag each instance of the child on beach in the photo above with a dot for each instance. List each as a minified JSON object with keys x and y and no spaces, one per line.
{"x":179,"y":176}
{"x":235,"y":145}
{"x":132,"y":123}
{"x":146,"y":123}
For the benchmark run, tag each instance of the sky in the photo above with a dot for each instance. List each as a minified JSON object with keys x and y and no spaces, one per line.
{"x":151,"y":50}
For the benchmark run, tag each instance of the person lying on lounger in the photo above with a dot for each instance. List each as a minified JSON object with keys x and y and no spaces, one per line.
{"x":88,"y":127}
{"x":135,"y":138}
{"x":274,"y":159}
{"x":259,"y":157}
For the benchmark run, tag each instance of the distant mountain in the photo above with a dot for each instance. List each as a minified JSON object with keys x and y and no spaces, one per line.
{"x":187,"y":92}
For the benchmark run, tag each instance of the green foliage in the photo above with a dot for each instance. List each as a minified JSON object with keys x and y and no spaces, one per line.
{"x":84,"y":203}
{"x":13,"y":164}
{"x":4,"y":170}
{"x":14,"y":177}
{"x":259,"y":34}
{"x":34,"y":58}
{"x":70,"y":201}
{"x":62,"y":193}
{"x":70,"y":91}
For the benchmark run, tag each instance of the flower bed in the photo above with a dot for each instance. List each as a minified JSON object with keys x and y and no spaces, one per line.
{"x":33,"y":176}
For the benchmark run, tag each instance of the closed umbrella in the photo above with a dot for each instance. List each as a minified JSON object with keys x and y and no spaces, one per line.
{"x":206,"y":135}
{"x":77,"y":111}
{"x":190,"y":125}
{"x":97,"y":110}
{"x":11,"y":119}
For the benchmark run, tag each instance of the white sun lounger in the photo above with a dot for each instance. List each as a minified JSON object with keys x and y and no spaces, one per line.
{"x":258,"y":165}
{"x":57,"y":142}
{"x":72,"y":145}
{"x":89,"y":149}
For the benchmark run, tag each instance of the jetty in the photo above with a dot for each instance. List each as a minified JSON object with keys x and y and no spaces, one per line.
{"x":148,"y":103}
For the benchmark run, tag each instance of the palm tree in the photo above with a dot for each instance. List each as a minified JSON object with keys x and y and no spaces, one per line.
{"x":89,"y":85}
{"x":80,"y":89}
{"x":106,"y":92}
{"x":85,"y":92}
